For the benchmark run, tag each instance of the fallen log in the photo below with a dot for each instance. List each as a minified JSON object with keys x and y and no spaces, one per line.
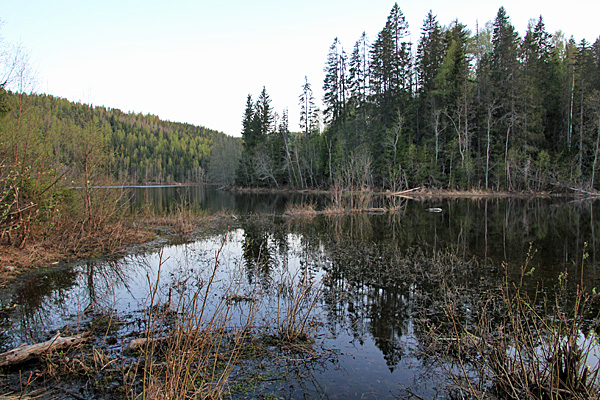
{"x":375,"y":210}
{"x":25,"y":352}
{"x":404,"y":191}
{"x":584,"y":191}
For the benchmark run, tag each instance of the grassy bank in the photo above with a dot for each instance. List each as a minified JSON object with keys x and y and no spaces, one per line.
{"x":84,"y":224}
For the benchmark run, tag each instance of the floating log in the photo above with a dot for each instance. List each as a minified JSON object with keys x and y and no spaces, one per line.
{"x":375,"y":210}
{"x":25,"y":352}
{"x":584,"y":191}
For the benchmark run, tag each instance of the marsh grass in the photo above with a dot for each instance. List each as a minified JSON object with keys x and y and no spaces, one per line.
{"x":183,"y":220}
{"x":297,"y":298}
{"x":306,"y":210}
{"x":359,"y":200}
{"x":190,"y":348}
{"x":522,"y":347}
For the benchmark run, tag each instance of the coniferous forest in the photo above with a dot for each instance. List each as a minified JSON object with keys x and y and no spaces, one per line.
{"x":461,"y":109}
{"x":75,"y":140}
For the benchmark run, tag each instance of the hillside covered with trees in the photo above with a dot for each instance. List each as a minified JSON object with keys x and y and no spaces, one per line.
{"x":78,"y":139}
{"x":483,"y":109}
{"x":49,"y":144}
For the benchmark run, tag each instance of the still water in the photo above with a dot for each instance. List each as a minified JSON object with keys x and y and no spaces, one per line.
{"x":378,"y":276}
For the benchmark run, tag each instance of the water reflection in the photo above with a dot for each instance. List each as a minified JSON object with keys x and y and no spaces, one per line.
{"x":382,"y":274}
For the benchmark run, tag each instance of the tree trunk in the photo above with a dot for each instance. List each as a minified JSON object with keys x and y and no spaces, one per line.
{"x":596,"y":155}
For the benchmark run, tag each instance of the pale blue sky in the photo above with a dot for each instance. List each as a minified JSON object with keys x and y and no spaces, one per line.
{"x":195,"y":61}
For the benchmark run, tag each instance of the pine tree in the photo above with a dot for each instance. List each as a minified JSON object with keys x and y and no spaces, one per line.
{"x":391,"y":67}
{"x":334,"y":85}
{"x":358,"y":79}
{"x":264,"y":114}
{"x":539,"y":86}
{"x":503,"y":76}
{"x":249,"y":136}
{"x":308,"y":111}
{"x":430,"y":54}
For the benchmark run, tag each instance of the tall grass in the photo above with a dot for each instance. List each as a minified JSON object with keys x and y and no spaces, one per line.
{"x":297,"y":298}
{"x":190,"y":348}
{"x":523,"y":347}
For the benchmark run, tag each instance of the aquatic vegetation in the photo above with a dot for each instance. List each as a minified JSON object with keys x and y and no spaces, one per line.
{"x":297,"y":298}
{"x":520,"y":347}
{"x":188,"y":350}
{"x":305,"y":210}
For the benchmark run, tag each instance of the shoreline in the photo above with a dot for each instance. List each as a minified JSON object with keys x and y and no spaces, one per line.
{"x":48,"y":252}
{"x":420,"y":192}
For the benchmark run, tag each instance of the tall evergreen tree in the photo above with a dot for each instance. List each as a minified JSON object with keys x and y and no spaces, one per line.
{"x":503,"y":77}
{"x":335,"y":86}
{"x":539,"y":86}
{"x":309,"y":115}
{"x":430,"y":54}
{"x":264,"y":113}
{"x":391,"y":67}
{"x":249,"y":135}
{"x":358,"y":79}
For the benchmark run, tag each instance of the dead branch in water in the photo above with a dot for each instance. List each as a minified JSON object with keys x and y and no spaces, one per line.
{"x":25,"y":352}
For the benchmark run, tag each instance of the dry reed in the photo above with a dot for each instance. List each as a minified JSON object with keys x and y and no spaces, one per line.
{"x":522,"y":347}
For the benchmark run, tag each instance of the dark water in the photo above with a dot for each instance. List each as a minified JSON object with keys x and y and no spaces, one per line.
{"x":380,"y":275}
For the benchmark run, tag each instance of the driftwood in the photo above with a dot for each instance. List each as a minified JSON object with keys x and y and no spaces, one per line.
{"x":138,"y":344}
{"x":584,"y":191}
{"x":375,"y":210}
{"x":24,"y":352}
{"x":404,"y":191}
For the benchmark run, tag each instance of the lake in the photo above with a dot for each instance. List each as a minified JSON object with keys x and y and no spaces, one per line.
{"x":377,"y":278}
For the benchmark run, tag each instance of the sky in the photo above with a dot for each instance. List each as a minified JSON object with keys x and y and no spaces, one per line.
{"x":196,"y":61}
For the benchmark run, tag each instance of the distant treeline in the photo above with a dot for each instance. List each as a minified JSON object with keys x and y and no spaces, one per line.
{"x":46,"y":133}
{"x":469,"y":109}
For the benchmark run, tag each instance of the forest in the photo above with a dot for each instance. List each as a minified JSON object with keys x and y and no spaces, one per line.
{"x":460,"y":110}
{"x":46,"y":133}
{"x":49,"y":145}
{"x":483,"y":109}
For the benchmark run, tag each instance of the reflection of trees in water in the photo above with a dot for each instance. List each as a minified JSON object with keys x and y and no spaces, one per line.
{"x":389,"y":315}
{"x":383,"y":286}
{"x":368,"y":290}
{"x":31,"y":304}
{"x":268,"y":245}
{"x":44,"y":299}
{"x":257,"y":251}
{"x":383,"y":271}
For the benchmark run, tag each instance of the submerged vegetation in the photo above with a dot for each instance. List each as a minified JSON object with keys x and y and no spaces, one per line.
{"x":217,"y":326}
{"x":192,"y":334}
{"x":518,"y":345}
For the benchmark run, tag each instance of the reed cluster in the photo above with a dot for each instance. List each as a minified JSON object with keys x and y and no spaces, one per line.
{"x":518,"y":345}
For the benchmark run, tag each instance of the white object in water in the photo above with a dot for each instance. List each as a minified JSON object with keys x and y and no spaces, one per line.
{"x":434,"y":209}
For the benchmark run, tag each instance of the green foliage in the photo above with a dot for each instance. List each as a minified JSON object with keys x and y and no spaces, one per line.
{"x":126,"y":147}
{"x":485,"y":110}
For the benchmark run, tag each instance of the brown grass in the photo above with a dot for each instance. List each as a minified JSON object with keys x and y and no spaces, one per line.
{"x":521,"y":347}
{"x":70,"y":243}
{"x":301,"y":210}
{"x":201,"y":351}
